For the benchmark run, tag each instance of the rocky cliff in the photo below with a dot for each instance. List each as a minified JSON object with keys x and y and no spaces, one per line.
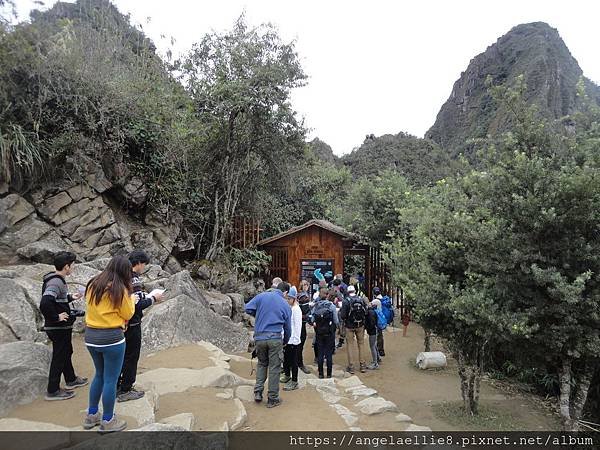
{"x":534,"y":50}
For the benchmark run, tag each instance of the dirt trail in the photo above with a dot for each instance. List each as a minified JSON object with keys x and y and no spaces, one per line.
{"x":398,"y":380}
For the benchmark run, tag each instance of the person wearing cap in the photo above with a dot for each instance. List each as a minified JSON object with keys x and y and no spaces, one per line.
{"x":353,"y":313}
{"x":377,"y":296}
{"x":304,"y":303}
{"x":290,"y":351}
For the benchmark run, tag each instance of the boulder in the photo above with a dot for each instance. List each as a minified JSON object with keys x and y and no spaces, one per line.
{"x":43,"y":250}
{"x":237,"y":307}
{"x":203,"y":272}
{"x":143,"y":409}
{"x":23,"y":373}
{"x":403,"y":418}
{"x":375,"y":405}
{"x":13,"y":209}
{"x":135,"y":191}
{"x":229,"y":283}
{"x":19,"y":316}
{"x":219,"y":303}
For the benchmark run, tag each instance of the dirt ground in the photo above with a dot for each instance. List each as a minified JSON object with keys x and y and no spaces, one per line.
{"x":413,"y":390}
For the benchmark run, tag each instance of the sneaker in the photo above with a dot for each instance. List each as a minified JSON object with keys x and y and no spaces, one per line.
{"x":363,"y":369}
{"x":61,"y":394}
{"x":272,"y":403}
{"x":340,"y":343}
{"x":77,"y":382}
{"x":112,"y":425}
{"x":321,"y":375}
{"x":91,"y":420}
{"x":284,"y":378}
{"x":304,"y":369}
{"x":258,"y":397}
{"x":130,"y":395}
{"x":290,"y":386}
{"x":373,"y":366}
{"x":350,"y":370}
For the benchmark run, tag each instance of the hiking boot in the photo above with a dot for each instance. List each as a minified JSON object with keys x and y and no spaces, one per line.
{"x":258,"y":397}
{"x":373,"y":366}
{"x":130,"y":395}
{"x":112,"y":425}
{"x":304,"y":369}
{"x":61,"y":394}
{"x":284,"y":378}
{"x":291,"y":386}
{"x":91,"y":420}
{"x":272,"y":403}
{"x":350,"y":370}
{"x":77,"y":382}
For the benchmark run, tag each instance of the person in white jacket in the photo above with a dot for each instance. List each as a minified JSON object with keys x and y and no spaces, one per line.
{"x":290,"y":351}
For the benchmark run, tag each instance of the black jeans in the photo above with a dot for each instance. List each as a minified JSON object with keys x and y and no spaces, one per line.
{"x":133,"y":344}
{"x":62,"y":349}
{"x":290,"y":360}
{"x":301,"y":346}
{"x":325,"y":346}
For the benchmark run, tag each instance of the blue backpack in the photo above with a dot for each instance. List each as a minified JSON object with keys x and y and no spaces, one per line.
{"x":381,"y":320}
{"x":388,"y":309}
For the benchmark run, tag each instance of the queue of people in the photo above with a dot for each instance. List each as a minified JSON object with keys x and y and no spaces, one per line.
{"x":114,"y":300}
{"x":282,"y":314}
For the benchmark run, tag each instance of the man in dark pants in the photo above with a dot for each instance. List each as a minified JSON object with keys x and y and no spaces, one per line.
{"x":58,"y":324}
{"x":133,"y":334}
{"x":273,"y":314}
{"x":324,"y":318}
{"x":303,"y":301}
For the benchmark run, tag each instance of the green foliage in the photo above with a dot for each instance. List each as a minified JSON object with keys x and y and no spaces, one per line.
{"x":248,"y":263}
{"x":420,"y":161}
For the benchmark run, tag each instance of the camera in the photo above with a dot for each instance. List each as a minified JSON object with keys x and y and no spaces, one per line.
{"x":77,"y":313}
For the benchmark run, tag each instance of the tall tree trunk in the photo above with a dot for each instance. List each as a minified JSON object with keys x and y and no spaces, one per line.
{"x":565,"y":394}
{"x":427,"y":341}
{"x":464,"y":376}
{"x":580,"y":397}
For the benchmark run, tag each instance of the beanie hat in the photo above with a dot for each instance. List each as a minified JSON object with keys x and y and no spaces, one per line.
{"x":293,"y":292}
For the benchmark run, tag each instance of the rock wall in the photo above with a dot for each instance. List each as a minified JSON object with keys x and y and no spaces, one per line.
{"x":91,"y":216}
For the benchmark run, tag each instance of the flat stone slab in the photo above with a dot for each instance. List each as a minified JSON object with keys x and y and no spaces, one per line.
{"x":29,"y":425}
{"x":245,"y":393}
{"x":361,"y":391}
{"x":403,"y":418}
{"x":167,"y":381}
{"x":330,"y":398}
{"x":183,"y":420}
{"x":160,"y":427}
{"x":240,"y":416}
{"x":226,"y":395}
{"x":142,"y":409}
{"x":413,"y":427}
{"x":375,"y":405}
{"x":320,"y":381}
{"x":352,"y":381}
{"x":329,"y":388}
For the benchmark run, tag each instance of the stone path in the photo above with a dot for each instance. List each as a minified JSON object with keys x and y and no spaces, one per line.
{"x":343,"y":395}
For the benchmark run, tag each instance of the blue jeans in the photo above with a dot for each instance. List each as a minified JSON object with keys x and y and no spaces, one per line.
{"x":108,"y":362}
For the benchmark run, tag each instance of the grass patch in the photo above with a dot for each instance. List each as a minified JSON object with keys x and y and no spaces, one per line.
{"x":488,"y":419}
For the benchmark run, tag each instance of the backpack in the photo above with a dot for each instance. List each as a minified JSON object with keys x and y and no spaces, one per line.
{"x":387,"y":309}
{"x":45,"y":282}
{"x":381,"y":320}
{"x":358,"y":312}
{"x":323,"y":319}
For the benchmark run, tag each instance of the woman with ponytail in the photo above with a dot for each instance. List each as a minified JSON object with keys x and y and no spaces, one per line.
{"x":109,"y":307}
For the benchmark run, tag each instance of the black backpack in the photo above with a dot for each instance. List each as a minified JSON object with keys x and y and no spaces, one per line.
{"x":323,"y":318}
{"x":358,"y":312}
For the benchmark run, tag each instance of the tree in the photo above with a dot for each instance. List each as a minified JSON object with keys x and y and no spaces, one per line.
{"x":240,"y":83}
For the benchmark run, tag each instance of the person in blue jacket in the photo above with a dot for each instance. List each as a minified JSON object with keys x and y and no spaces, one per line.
{"x":273,"y":315}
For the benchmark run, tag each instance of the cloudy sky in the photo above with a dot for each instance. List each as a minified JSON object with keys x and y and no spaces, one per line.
{"x":375,"y":67}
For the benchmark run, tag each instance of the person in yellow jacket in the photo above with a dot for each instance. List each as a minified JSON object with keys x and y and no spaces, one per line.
{"x":109,"y":305}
